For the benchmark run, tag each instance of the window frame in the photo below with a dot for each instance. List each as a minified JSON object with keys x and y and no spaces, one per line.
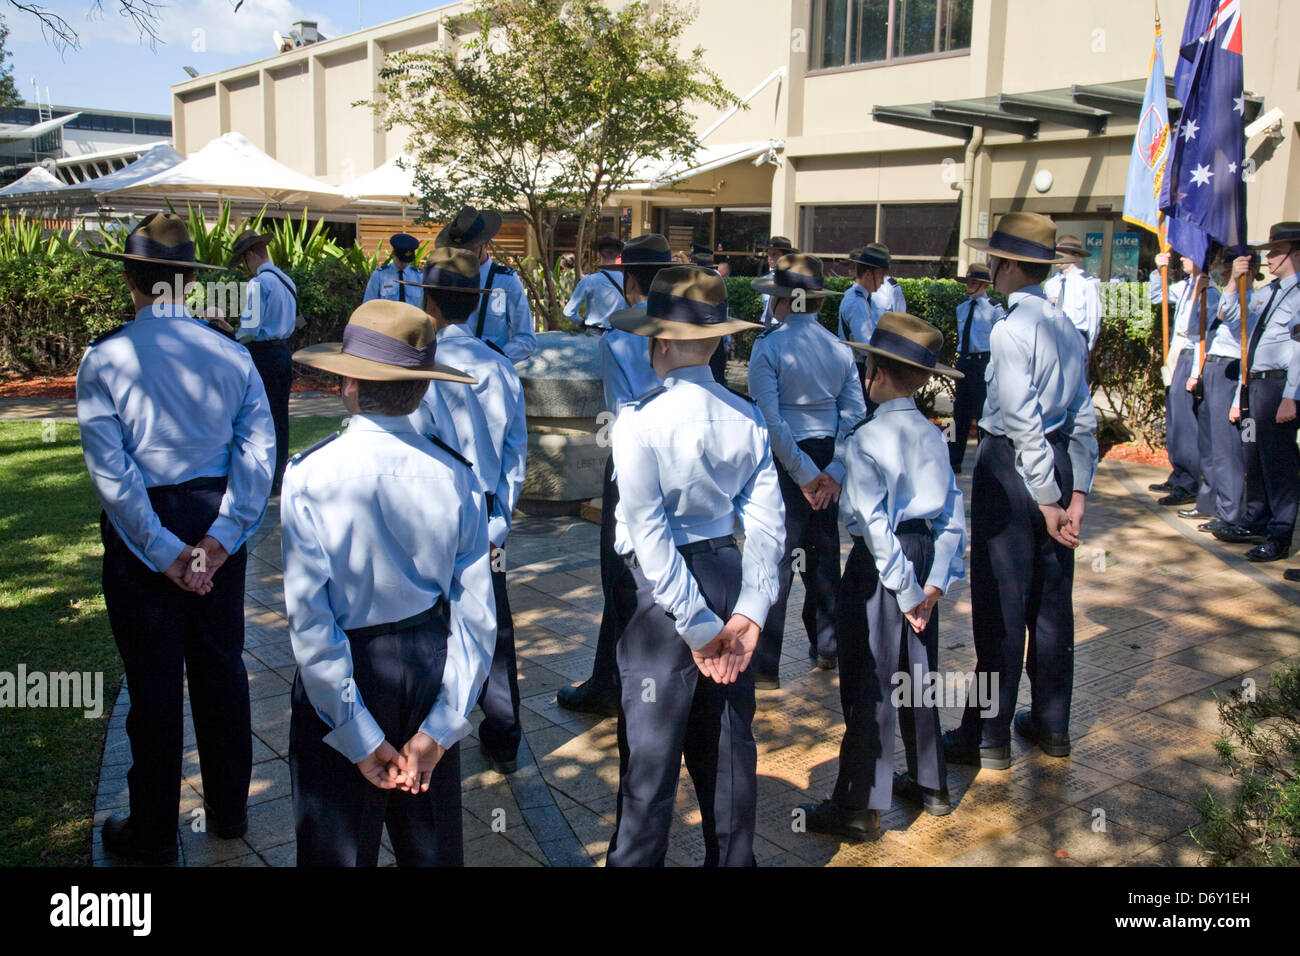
{"x":819,"y":19}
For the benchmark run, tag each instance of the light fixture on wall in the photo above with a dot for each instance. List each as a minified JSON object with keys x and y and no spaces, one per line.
{"x":1043,"y":180}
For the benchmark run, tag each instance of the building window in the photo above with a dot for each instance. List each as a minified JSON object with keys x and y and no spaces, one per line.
{"x":735,"y":229}
{"x":854,"y":32}
{"x":922,"y":237}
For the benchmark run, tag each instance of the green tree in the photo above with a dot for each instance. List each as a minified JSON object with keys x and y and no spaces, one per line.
{"x":545,"y":109}
{"x":9,"y":97}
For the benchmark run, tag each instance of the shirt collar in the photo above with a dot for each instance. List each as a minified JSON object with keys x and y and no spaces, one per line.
{"x":1288,"y":282}
{"x":906,"y":403}
{"x":699,"y":374}
{"x":455,"y":330}
{"x":1028,"y":292}
{"x":369,"y":422}
{"x":163,"y":310}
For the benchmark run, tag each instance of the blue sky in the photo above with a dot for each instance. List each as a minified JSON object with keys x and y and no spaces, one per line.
{"x":113,"y":69}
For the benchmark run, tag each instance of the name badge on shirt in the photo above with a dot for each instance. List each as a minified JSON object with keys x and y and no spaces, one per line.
{"x":388,"y":288}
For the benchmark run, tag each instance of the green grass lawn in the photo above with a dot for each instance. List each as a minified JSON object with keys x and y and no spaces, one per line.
{"x":52,"y":618}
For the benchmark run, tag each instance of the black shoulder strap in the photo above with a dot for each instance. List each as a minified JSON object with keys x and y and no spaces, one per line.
{"x":611,"y":281}
{"x":657,"y":390}
{"x":483,"y":304}
{"x":109,"y":334}
{"x":451,"y":451}
{"x":316,"y":447}
{"x":494,"y":347}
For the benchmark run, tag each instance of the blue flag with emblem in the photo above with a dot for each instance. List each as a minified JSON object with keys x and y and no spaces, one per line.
{"x":1205,"y":182}
{"x":1146,"y":166}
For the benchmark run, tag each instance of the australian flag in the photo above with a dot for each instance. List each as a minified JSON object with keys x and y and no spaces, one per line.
{"x":1205,"y":183}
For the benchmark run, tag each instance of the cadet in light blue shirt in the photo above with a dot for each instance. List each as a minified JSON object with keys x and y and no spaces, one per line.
{"x":384,"y":282}
{"x":688,"y":458}
{"x":777,"y":247}
{"x":908,"y":525}
{"x":975,"y":318}
{"x":805,"y":383}
{"x":867,"y":299}
{"x":490,"y":422}
{"x":1076,"y":293}
{"x":179,"y":444}
{"x":387,"y":583}
{"x":599,"y":294}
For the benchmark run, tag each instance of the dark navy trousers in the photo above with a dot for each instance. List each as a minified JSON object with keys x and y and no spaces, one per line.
{"x":499,"y":732}
{"x":616,"y":585}
{"x":1272,"y":464}
{"x":967,"y":403}
{"x":667,"y":710}
{"x":339,"y":815}
{"x":167,"y":636}
{"x":1219,"y":443}
{"x":1181,"y":429}
{"x":875,"y":644}
{"x":812,"y":543}
{"x":274,"y":364}
{"x":1021,"y":580}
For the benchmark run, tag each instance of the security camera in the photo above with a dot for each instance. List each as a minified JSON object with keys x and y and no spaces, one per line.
{"x":1266,"y":121}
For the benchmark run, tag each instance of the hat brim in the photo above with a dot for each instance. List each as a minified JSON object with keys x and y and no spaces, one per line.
{"x":638,"y":322}
{"x":443,"y":288}
{"x":769,"y":287}
{"x":641,"y":265}
{"x":1261,"y":246}
{"x":983,"y":246}
{"x":329,"y":357}
{"x":1077,"y":256}
{"x":491,"y":226}
{"x":150,"y":260}
{"x":239,"y":250}
{"x":939,"y":368}
{"x":985,"y":279}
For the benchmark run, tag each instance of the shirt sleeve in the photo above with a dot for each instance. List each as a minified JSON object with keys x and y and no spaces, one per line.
{"x":522,"y":340}
{"x":1083,"y":440}
{"x":764,"y":389}
{"x":473,"y":632}
{"x":252,"y":462}
{"x":320,"y":647}
{"x":762,"y":515}
{"x":1017,"y":400}
{"x":514,"y":463}
{"x":851,"y":409}
{"x":576,"y":299}
{"x":949,"y":530}
{"x":868,"y":499}
{"x":1293,"y":368}
{"x":1093,"y":311}
{"x":250,"y":319}
{"x":641,"y":509}
{"x":372,"y":286}
{"x":117,"y":479}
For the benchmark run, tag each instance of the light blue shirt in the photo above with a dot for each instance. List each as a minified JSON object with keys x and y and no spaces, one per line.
{"x":981,"y":313}
{"x":858,"y":315}
{"x":898,"y":471}
{"x":508,"y":322}
{"x":383,"y":284}
{"x":376,"y":526}
{"x":687,"y":460}
{"x":625,"y":367}
{"x":600,"y":295}
{"x":1037,"y":384}
{"x":888,"y":298}
{"x":161,"y":402}
{"x":1276,"y":348}
{"x":1176,"y":289}
{"x":1187,"y":315}
{"x":1080,"y":300}
{"x":271,"y":310}
{"x":768,"y":318}
{"x":489,"y":420}
{"x":806,"y":385}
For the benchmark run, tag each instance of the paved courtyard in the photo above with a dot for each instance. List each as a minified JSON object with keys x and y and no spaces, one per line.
{"x":1165,"y":618}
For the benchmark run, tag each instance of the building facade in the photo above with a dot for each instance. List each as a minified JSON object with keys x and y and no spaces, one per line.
{"x":913,"y":122}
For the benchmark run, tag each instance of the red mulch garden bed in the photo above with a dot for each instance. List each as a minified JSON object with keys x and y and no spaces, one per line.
{"x":65,"y":386}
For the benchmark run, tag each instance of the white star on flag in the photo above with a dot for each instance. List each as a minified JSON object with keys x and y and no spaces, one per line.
{"x":1232,"y":167}
{"x":1189,"y":129}
{"x":1201,"y":175}
{"x":1239,"y":105}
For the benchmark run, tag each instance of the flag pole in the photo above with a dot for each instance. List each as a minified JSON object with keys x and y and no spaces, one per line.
{"x":1244,"y":404}
{"x":1164,"y":291}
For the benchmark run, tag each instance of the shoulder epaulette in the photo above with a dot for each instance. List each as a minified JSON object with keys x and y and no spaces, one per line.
{"x":504,"y":270}
{"x":642,"y":399}
{"x":451,"y":451}
{"x":766,"y":331}
{"x":109,"y":334}
{"x":870,"y":415}
{"x":493,"y":346}
{"x":891,"y":280}
{"x":316,"y":447}
{"x":858,"y":290}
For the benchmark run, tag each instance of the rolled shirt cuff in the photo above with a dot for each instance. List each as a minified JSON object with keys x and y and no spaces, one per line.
{"x":227,"y":534}
{"x":910,"y":596}
{"x":358,"y":738}
{"x":1048,"y":494}
{"x":806,"y":471}
{"x":165,"y":550}
{"x":445,"y":725}
{"x":836,"y":470}
{"x":498,"y":530}
{"x":753,"y":604}
{"x":703,"y":629}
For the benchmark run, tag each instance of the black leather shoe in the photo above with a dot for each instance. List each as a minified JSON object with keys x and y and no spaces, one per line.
{"x":933,"y":802}
{"x":1268,"y":551}
{"x":1163,"y":487}
{"x":230,"y":830}
{"x":1050,"y":742}
{"x":1177,"y":498}
{"x":766,"y":683}
{"x":1214,"y":524}
{"x":1191,"y":514}
{"x":589,"y":698}
{"x":120,"y":839}
{"x":829,"y":817}
{"x":1236,"y":534}
{"x":1292,"y":574}
{"x":956,"y":750}
{"x":827,"y":663}
{"x":502,"y":767}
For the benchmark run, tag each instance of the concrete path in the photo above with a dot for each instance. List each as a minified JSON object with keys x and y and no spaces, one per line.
{"x":1165,"y":619}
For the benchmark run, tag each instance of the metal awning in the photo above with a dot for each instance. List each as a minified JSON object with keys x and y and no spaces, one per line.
{"x":1081,"y":106}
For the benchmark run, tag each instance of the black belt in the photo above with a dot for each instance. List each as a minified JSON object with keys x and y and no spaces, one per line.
{"x":207,"y":483}
{"x":1222,"y":358}
{"x":710,"y":544}
{"x":1266,"y":373}
{"x":266,"y":342}
{"x":439,"y":610}
{"x":978,"y":356}
{"x":1058,"y":437}
{"x":491,"y":500}
{"x":910,"y":526}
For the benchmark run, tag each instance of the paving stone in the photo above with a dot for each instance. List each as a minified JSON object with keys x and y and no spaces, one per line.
{"x":1072,"y":830}
{"x":271,"y":823}
{"x":1143,"y":810}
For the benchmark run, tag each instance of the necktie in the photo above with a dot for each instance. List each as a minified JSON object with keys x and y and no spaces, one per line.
{"x":1060,"y":296}
{"x":965,"y":330}
{"x":1259,"y":326}
{"x":400,"y":271}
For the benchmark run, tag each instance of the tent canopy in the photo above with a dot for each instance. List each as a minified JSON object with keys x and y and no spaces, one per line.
{"x":389,"y":182}
{"x":158,"y":159}
{"x":35,"y":180}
